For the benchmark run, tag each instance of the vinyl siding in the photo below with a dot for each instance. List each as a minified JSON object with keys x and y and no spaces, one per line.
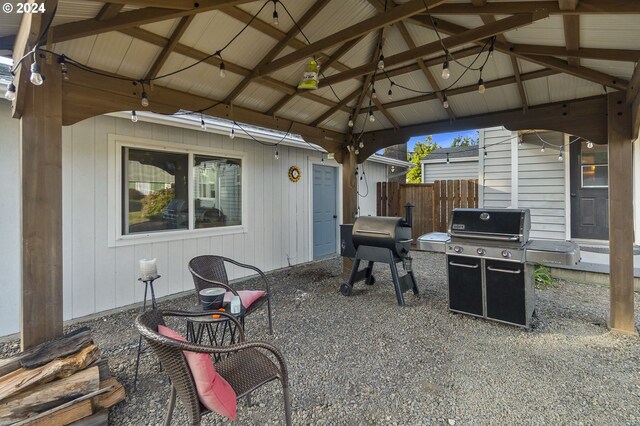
{"x":496,"y":168}
{"x":453,"y":170}
{"x":541,"y":185}
{"x":98,"y":277}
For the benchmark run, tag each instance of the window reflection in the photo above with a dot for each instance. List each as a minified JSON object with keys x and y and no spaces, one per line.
{"x":217,"y":191}
{"x":594,"y":165}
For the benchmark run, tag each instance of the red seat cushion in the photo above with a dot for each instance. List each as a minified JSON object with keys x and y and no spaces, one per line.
{"x":247,"y":297}
{"x":214,"y":391}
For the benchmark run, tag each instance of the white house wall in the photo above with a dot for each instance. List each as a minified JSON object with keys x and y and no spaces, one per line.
{"x":374,"y":172}
{"x":495,"y":168}
{"x":453,"y":170}
{"x":97,"y":277}
{"x":541,"y":184}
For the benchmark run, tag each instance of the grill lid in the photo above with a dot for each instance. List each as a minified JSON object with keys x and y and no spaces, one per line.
{"x":491,"y":224}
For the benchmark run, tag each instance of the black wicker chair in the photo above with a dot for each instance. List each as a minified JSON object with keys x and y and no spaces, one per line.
{"x":209,"y":271}
{"x":246,"y":367}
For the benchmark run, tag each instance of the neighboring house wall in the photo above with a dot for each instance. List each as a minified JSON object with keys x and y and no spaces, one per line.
{"x":541,"y":185}
{"x":521,"y":176}
{"x":98,"y":277}
{"x":454,"y":170}
{"x":374,"y":173}
{"x":495,"y":168}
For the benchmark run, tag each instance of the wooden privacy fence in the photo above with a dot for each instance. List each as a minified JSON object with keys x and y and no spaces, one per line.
{"x":433,"y":201}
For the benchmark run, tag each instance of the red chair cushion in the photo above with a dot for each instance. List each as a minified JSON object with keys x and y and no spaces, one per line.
{"x":214,"y":391}
{"x":247,"y":297}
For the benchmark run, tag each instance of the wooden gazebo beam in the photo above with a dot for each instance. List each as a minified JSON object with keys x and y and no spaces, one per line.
{"x":586,"y":7}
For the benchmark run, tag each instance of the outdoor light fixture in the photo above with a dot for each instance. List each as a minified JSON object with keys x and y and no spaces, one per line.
{"x":445,"y":70}
{"x":144,"y":99}
{"x":481,"y":88}
{"x":371,"y":117}
{"x":447,"y":158}
{"x":36,"y":77}
{"x":381,"y":62}
{"x":361,"y":145}
{"x":445,"y":102}
{"x":542,"y":147}
{"x":350,"y":123}
{"x":322,"y":157}
{"x":589,"y":144}
{"x":357,"y":152}
{"x":560,"y":154}
{"x":374,"y":95}
{"x":134,"y":117}
{"x":10,"y":94}
{"x":485,"y":152}
{"x":232,"y":133}
{"x":203,"y":124}
{"x":276,"y":156}
{"x":275,"y":21}
{"x":390,"y":93}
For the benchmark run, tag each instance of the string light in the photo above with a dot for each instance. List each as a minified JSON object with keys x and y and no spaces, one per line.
{"x":134,"y":117}
{"x":481,"y":88}
{"x":371,"y":117}
{"x":63,"y":67}
{"x":276,"y":156}
{"x":361,"y":145}
{"x":232,"y":133}
{"x":589,"y":144}
{"x":390,"y":93}
{"x":485,"y":151}
{"x":144,"y":99}
{"x":275,"y":21}
{"x":36,"y":76}
{"x":445,"y":102}
{"x":560,"y":154}
{"x":357,"y":151}
{"x":374,"y":95}
{"x":322,"y":157}
{"x":202,"y":123}
{"x":445,"y":68}
{"x":447,"y":158}
{"x":542,"y":147}
{"x":350,"y":123}
{"x":381,"y":62}
{"x":10,"y":94}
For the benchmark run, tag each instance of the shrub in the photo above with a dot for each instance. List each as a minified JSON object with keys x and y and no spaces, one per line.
{"x":542,"y":277}
{"x":154,"y":203}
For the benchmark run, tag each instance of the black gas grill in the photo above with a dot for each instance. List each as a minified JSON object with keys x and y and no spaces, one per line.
{"x":490,"y":262}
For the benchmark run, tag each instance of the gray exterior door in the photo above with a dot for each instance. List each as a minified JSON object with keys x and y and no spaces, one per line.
{"x":325,"y":215}
{"x":589,"y":175}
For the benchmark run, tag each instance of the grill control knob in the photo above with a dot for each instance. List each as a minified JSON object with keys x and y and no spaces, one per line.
{"x":457,"y":249}
{"x":481,"y":251}
{"x":506,"y":253}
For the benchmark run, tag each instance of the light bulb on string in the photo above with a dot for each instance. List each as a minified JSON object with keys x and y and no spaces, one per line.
{"x":589,"y":144}
{"x":491,"y":51}
{"x":371,"y":117}
{"x":445,"y":101}
{"x":144,"y":99}
{"x":542,"y":147}
{"x":381,"y":62}
{"x":361,"y":144}
{"x":481,"y":88}
{"x":485,"y":152}
{"x":350,"y":123}
{"x":357,"y":151}
{"x":447,"y":158}
{"x":36,"y":76}
{"x":445,"y":70}
{"x":63,"y":67}
{"x":276,"y":156}
{"x":374,"y":95}
{"x":275,"y":20}
{"x":203,"y":125}
{"x":134,"y":117}
{"x":223,"y":70}
{"x":232,"y":133}
{"x":322,"y":157}
{"x":560,"y":154}
{"x":390,"y":93}
{"x":10,"y":94}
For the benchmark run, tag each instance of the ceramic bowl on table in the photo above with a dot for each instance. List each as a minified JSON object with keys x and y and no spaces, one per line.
{"x":212,"y":298}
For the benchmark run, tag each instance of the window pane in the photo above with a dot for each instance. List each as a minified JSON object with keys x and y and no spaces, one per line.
{"x":597,"y":154}
{"x":157,"y":194}
{"x":595,"y":175}
{"x":217,"y":191}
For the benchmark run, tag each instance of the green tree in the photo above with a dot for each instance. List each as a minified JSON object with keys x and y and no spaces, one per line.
{"x":459,"y":141}
{"x":421,"y":150}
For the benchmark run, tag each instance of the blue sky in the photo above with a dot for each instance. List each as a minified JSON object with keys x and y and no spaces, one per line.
{"x":442,"y":139}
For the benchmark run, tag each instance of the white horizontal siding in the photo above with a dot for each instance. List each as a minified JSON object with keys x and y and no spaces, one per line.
{"x":97,"y":277}
{"x":367,"y":202}
{"x":541,"y":184}
{"x":452,"y":171}
{"x":496,"y":167}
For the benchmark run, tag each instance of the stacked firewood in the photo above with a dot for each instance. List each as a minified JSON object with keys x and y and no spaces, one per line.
{"x":60,"y":382}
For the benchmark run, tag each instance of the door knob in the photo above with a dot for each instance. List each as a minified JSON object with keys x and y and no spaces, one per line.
{"x":335,"y":217}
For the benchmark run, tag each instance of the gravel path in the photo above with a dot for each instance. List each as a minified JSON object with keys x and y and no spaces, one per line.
{"x":364,"y":360}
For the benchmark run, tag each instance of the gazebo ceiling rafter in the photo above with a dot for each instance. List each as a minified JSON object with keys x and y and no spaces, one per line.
{"x":585,"y":7}
{"x":178,"y":4}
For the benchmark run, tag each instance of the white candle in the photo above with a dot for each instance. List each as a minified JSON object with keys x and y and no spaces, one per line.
{"x":148,"y":269}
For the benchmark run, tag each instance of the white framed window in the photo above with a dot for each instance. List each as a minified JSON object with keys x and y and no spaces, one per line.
{"x":164,"y":191}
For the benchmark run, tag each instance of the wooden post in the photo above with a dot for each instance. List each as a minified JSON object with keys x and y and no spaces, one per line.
{"x":41,"y":169}
{"x":349,"y":198}
{"x":620,"y":214}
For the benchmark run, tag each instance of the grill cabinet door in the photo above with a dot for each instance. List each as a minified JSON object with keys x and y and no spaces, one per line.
{"x":505,"y":291}
{"x":465,"y":285}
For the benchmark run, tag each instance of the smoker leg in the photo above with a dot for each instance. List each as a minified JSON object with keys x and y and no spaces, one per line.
{"x":415,"y":284}
{"x":369,"y":278}
{"x":347,"y":288}
{"x":396,"y":283}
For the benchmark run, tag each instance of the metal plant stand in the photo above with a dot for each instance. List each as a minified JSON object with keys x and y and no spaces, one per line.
{"x":148,"y":283}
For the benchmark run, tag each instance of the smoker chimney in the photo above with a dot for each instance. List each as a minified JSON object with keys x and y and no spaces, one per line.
{"x":408,"y":214}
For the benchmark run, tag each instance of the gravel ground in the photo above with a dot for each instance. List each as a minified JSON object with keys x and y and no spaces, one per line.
{"x":364,"y":360}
